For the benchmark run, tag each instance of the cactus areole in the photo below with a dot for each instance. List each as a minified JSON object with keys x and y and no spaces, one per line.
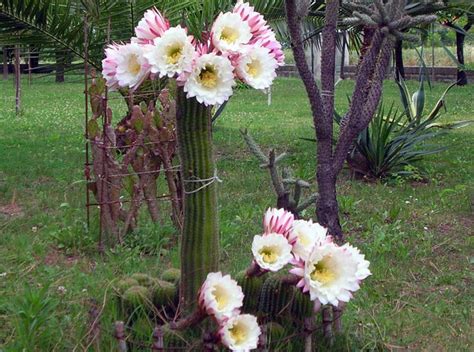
{"x":200,"y":236}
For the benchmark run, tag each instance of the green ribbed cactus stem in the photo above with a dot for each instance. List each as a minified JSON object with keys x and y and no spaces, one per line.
{"x":200,"y":236}
{"x":251,"y":287}
{"x":302,"y":307}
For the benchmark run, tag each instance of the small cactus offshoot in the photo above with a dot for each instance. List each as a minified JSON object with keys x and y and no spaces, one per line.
{"x":163,"y":293}
{"x":135,"y":298}
{"x":124,"y":284}
{"x":171,"y":275}
{"x":287,"y":188}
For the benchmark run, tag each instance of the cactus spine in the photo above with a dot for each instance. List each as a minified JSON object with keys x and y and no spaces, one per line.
{"x":200,"y":237}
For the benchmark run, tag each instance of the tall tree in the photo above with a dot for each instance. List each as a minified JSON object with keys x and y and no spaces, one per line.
{"x":399,"y":66}
{"x":17,"y":80}
{"x":5,"y":62}
{"x":388,"y":19}
{"x":60,"y":65}
{"x":460,"y":18}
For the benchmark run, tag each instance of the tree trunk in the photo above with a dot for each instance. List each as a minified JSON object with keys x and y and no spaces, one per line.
{"x":327,"y":207}
{"x":34,"y":54}
{"x":399,"y":67}
{"x":368,"y":34}
{"x":5,"y":63}
{"x":200,"y":235}
{"x":460,"y":37}
{"x":60,"y":59}
{"x":17,"y":80}
{"x":461,"y":75}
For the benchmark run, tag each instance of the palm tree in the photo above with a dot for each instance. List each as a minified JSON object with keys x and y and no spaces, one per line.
{"x":59,"y":24}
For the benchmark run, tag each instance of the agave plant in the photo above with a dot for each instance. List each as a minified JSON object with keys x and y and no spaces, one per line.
{"x":390,"y":146}
{"x":414,"y":106}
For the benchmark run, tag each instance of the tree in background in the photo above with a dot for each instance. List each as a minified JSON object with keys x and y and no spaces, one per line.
{"x":460,"y":17}
{"x":388,"y":20}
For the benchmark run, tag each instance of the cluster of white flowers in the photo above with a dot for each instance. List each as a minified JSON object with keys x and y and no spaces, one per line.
{"x":221,"y":297}
{"x":240,"y":46}
{"x":328,"y":272}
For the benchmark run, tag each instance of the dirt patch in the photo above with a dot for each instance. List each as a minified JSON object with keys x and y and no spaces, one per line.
{"x":55,"y":257}
{"x":445,"y":228}
{"x":12,"y":209}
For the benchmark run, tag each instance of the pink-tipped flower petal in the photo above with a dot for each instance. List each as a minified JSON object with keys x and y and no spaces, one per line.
{"x":151,"y":26}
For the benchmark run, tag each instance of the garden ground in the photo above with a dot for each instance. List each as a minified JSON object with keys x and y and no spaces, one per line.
{"x":416,"y":233}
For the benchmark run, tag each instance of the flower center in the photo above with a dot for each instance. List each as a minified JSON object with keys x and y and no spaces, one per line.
{"x":208,"y":76}
{"x":322,"y":272}
{"x":133,"y":65}
{"x":229,"y":35}
{"x":304,"y":240}
{"x":269,"y":254}
{"x":238,"y":334}
{"x":174,"y":54}
{"x":254,"y":68}
{"x":220,"y":294}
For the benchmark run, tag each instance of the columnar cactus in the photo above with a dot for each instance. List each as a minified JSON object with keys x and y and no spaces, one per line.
{"x":200,"y":236}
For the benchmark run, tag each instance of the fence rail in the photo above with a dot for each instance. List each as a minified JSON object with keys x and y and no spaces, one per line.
{"x":444,"y":74}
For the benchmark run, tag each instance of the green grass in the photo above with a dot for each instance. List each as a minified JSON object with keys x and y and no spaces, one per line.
{"x":418,"y":236}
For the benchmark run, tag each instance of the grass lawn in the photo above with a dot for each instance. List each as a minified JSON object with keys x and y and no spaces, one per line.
{"x":418,"y":236}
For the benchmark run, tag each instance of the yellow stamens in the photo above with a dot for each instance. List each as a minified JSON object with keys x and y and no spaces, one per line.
{"x":133,"y":65}
{"x":221,"y":297}
{"x":254,"y":68}
{"x":304,"y":240}
{"x":174,"y":54}
{"x":322,"y":272}
{"x":238,"y":334}
{"x":229,"y":35}
{"x":208,"y":77}
{"x":269,"y":254}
